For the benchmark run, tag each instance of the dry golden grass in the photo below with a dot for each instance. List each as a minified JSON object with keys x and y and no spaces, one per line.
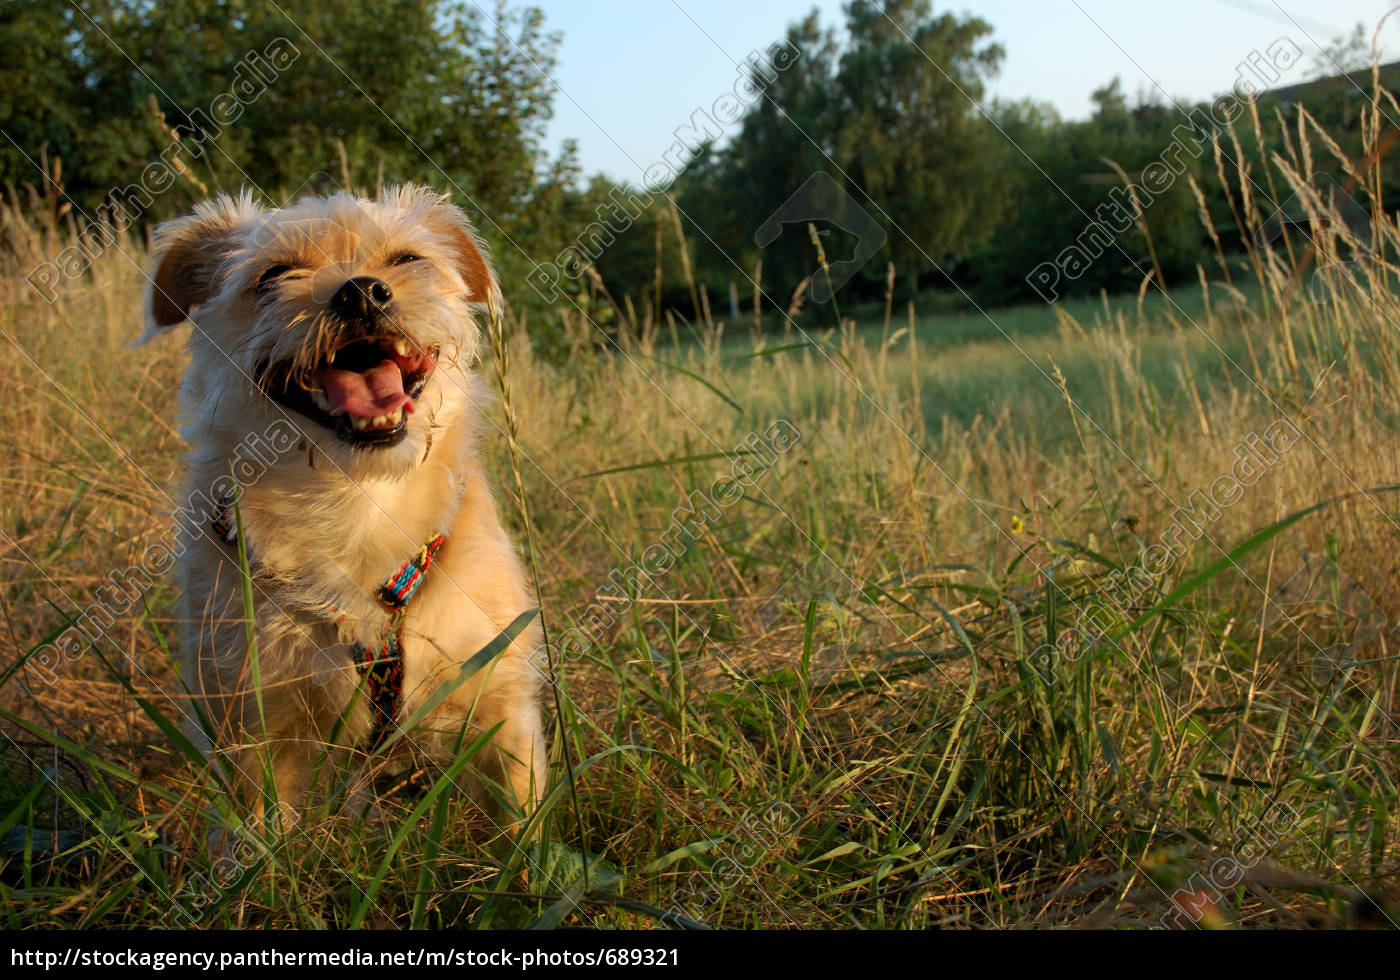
{"x":852,"y":652}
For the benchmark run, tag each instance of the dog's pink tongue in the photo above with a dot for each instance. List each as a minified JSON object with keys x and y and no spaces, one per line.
{"x":364,"y":394}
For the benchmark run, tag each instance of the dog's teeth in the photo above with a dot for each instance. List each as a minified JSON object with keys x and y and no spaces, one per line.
{"x":403,"y":347}
{"x":378,"y":421}
{"x":393,"y":417}
{"x":319,"y":397}
{"x":361,"y":424}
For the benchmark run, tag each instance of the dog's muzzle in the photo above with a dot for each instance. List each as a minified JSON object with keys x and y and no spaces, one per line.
{"x":365,"y":388}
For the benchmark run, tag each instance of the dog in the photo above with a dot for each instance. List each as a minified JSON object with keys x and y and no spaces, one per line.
{"x":341,"y":331}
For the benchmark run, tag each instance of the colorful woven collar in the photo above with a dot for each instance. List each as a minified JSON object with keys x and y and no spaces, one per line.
{"x":398,"y":589}
{"x":380,"y":665}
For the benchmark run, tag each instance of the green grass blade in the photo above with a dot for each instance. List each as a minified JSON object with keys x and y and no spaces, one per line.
{"x":464,"y":673}
{"x":447,"y":779}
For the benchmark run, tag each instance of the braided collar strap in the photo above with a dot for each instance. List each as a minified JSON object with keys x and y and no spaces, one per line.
{"x":400,"y":587}
{"x":381,"y":672}
{"x":379,"y":664}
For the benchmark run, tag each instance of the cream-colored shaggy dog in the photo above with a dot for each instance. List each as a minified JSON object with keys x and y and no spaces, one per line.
{"x":329,"y":393}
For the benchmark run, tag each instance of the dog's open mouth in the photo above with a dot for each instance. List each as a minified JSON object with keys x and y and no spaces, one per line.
{"x":364,"y":392}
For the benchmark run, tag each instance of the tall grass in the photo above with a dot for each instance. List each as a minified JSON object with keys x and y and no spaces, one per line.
{"x":867,"y":692}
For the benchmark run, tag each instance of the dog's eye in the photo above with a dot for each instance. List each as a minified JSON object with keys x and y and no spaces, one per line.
{"x":270,"y":276}
{"x":406,"y":258}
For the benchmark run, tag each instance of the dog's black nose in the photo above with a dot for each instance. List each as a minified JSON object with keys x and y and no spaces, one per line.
{"x":362,"y":298}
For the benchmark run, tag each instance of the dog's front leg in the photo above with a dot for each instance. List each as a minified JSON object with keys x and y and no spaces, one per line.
{"x":516,"y":759}
{"x":269,"y":710}
{"x":523,"y":766}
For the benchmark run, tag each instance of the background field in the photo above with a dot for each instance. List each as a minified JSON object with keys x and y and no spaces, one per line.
{"x":867,"y":693}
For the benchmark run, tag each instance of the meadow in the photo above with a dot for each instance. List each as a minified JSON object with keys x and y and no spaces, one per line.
{"x":953,"y":656}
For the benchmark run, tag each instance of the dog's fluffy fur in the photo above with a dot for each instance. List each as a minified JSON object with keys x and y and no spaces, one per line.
{"x":329,"y":520}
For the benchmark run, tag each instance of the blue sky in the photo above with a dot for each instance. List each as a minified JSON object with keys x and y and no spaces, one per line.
{"x":632,"y":71}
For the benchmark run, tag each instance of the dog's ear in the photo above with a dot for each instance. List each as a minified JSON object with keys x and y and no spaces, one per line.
{"x":185,"y":258}
{"x":470,"y":252}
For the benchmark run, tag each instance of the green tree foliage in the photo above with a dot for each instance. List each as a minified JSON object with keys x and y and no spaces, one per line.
{"x":910,"y":135}
{"x":380,"y":90}
{"x":888,"y":114}
{"x":968,"y":192}
{"x":722,"y":194}
{"x":975,"y":193}
{"x":784,"y":139}
{"x":1069,"y":172}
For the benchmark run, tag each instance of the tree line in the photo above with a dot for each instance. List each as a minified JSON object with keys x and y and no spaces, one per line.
{"x":878,"y":132}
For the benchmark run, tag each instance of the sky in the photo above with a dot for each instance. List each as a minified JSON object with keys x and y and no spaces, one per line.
{"x":632,"y":71}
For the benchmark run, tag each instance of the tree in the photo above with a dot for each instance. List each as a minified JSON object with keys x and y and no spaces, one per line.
{"x":1345,"y":54}
{"x":785,"y":137}
{"x":1111,"y":106}
{"x":451,"y":96}
{"x":911,"y":137}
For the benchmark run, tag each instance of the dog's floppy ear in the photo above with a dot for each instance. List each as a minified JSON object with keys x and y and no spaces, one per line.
{"x":186,"y":256}
{"x":470,"y":252}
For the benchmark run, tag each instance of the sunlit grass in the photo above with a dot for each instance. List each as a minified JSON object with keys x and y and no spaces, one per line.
{"x":836,"y":706}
